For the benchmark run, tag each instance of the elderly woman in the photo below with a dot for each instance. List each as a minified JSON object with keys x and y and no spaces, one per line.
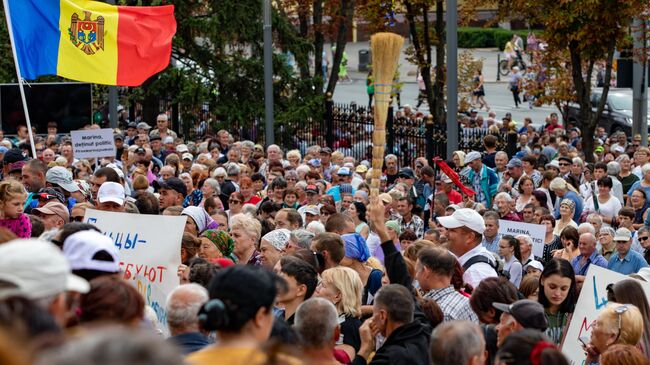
{"x":245,"y":231}
{"x":567,"y":208}
{"x":625,"y":175}
{"x":640,"y":205}
{"x":294,"y":158}
{"x":273,"y":246}
{"x":216,"y":244}
{"x":616,"y":324}
{"x":209,"y":189}
{"x":198,"y":220}
{"x":342,"y":286}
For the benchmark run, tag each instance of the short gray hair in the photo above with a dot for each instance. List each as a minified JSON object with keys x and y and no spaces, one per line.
{"x":456,"y":342}
{"x":316,"y":321}
{"x":390,"y":157}
{"x":586,"y":228}
{"x":302,"y":238}
{"x":114,"y":345}
{"x":643,"y":229}
{"x":316,"y":227}
{"x":214,"y":184}
{"x":503,"y":195}
{"x":501,"y":153}
{"x":527,"y":239}
{"x":183,"y":305}
{"x":613,"y":168}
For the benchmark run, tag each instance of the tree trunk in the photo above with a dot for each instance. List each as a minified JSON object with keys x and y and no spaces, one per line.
{"x":588,"y":120}
{"x":303,"y":18}
{"x":420,"y":49}
{"x":438,"y":109}
{"x":345,"y":16}
{"x":319,"y":41}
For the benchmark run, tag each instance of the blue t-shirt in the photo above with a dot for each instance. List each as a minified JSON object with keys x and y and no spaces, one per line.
{"x":637,"y":185}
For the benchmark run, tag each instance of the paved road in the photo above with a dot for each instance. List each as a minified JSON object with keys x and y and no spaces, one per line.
{"x":497,"y":95}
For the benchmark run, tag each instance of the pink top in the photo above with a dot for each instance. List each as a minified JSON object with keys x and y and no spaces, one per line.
{"x":21,"y":226}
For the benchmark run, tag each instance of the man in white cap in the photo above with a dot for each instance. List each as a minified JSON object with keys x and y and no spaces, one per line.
{"x":111,"y":197}
{"x":465,"y":231}
{"x":91,"y":254}
{"x":483,"y":179}
{"x":38,"y":270}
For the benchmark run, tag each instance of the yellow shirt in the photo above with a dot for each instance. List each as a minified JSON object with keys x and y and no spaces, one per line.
{"x":234,"y":356}
{"x":227,"y":355}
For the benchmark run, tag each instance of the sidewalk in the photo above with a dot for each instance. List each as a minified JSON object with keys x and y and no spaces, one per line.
{"x":408,"y":70}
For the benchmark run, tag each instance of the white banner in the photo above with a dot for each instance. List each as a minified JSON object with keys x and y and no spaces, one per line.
{"x":92,"y":143}
{"x":534,"y":231}
{"x":592,"y":299}
{"x":149,"y":254}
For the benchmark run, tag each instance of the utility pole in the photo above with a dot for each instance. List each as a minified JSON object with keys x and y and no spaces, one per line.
{"x":268,"y":74}
{"x":112,"y":98}
{"x":639,"y":81}
{"x":452,"y":76}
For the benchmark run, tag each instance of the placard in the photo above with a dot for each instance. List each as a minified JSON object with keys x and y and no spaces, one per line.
{"x":535,"y":231}
{"x":93,"y":143}
{"x":149,"y":254}
{"x":592,"y":299}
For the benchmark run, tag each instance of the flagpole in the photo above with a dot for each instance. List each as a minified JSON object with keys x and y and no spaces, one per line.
{"x":20,"y":78}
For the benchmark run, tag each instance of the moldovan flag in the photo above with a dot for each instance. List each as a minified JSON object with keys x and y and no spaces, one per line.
{"x":91,"y":41}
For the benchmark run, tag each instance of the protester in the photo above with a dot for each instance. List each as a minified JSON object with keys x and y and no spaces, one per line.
{"x":182,"y":307}
{"x":318,"y":326}
{"x":616,"y":324}
{"x":519,"y":315}
{"x":529,"y":347}
{"x":241,"y":315}
{"x":558,"y":295}
{"x":629,"y":291}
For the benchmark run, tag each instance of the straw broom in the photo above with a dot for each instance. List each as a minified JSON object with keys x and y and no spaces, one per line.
{"x":386,"y":48}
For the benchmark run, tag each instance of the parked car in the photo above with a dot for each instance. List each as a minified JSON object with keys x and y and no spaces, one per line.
{"x":617,"y":115}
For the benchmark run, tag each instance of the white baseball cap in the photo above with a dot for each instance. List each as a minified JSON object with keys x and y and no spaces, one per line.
{"x":464,"y":218}
{"x":182,"y":148}
{"x":38,"y":270}
{"x":472,"y":156}
{"x":82,"y":248}
{"x":445,"y":179}
{"x":188,"y":156}
{"x":111,"y":192}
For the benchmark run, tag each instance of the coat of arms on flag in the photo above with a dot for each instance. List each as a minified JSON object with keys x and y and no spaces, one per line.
{"x":87,"y":34}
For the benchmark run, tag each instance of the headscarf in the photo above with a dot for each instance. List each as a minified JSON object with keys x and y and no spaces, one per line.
{"x":570,"y":203}
{"x":193,"y":199}
{"x":84,"y":188}
{"x":222,"y":241}
{"x":278,"y":238}
{"x":461,"y":158}
{"x":356,"y":247}
{"x":201,"y":218}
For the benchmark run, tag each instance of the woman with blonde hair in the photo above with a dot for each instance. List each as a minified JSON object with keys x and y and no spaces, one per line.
{"x":616,"y":324}
{"x":246,"y":231}
{"x":342,"y":286}
{"x":294,"y":158}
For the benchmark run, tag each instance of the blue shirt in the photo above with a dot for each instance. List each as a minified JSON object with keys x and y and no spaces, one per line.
{"x":595,"y":258}
{"x":573,"y":197}
{"x":636,"y":185}
{"x":630,"y":264}
{"x":492,"y":246}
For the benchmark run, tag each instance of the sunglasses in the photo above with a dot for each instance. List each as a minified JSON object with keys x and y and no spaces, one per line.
{"x":643,"y":238}
{"x":231,"y":201}
{"x":79,"y":218}
{"x":565,"y":164}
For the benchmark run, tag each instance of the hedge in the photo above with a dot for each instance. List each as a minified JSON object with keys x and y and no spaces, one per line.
{"x":487,"y":37}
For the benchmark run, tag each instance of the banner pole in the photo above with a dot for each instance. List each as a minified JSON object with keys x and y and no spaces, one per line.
{"x":10,"y":29}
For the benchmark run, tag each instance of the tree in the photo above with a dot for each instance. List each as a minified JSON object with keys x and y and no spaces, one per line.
{"x":589,"y":31}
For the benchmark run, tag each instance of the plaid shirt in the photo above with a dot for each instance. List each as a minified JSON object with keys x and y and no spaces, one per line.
{"x":453,"y":304}
{"x":416,"y":225}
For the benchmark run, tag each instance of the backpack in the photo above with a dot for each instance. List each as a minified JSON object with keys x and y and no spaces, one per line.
{"x":482,"y":259}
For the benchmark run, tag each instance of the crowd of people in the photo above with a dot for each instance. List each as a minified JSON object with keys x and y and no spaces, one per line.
{"x":291,"y":257}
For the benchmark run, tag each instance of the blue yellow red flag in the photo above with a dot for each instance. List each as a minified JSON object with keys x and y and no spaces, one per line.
{"x":91,"y":41}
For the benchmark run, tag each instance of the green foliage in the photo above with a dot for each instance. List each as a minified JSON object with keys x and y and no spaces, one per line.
{"x":487,"y":37}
